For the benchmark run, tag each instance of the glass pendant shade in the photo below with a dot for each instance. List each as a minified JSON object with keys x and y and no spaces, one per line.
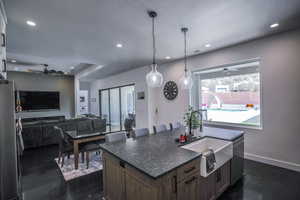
{"x":186,"y":81}
{"x":154,"y":78}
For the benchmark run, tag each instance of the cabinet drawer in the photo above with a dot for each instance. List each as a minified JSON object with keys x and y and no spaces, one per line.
{"x":188,"y":169}
{"x":189,"y":188}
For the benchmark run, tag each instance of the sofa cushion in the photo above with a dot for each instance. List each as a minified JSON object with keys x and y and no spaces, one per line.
{"x":99,"y":125}
{"x":57,"y":118}
{"x":32,"y":136}
{"x":49,"y":135}
{"x":69,"y":126}
{"x":84,"y":126}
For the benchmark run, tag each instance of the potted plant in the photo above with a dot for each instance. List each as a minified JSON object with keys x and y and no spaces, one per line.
{"x":192,"y":119}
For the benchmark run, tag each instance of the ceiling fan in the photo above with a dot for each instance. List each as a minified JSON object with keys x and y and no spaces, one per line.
{"x":51,"y":71}
{"x":38,"y":68}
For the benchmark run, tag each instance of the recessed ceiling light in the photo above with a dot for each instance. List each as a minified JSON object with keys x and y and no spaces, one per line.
{"x":119,"y":45}
{"x":30,"y":23}
{"x":168,"y":57}
{"x":274,"y":25}
{"x":71,"y":67}
{"x":13,"y":61}
{"x":207,"y":45}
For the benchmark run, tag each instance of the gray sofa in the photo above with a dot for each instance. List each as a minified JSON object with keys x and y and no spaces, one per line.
{"x":40,"y":132}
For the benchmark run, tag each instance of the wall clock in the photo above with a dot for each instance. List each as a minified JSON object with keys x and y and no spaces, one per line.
{"x":170,"y":90}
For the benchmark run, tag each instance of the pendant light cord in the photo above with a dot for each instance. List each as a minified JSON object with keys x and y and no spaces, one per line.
{"x":153,"y":38}
{"x":185,"y":58}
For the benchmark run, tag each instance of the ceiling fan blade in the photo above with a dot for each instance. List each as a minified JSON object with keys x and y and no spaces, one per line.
{"x":35,"y":71}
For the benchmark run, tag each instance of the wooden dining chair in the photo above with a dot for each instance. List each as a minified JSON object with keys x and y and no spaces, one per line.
{"x":88,"y":148}
{"x":65,"y":147}
{"x":159,"y":128}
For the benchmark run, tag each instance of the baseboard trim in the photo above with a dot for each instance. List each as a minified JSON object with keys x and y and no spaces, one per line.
{"x":275,"y":162}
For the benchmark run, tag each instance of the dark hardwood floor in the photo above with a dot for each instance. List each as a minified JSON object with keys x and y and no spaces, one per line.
{"x":42,"y":180}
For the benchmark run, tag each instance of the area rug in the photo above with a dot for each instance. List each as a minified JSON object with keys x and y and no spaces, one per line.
{"x":68,"y":170}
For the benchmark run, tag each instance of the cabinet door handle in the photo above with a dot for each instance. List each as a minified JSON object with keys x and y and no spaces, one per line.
{"x":189,"y":170}
{"x":175,"y":184}
{"x":191,"y":180}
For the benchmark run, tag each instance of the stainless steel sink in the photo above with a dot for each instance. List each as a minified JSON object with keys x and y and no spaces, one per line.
{"x":223,"y":152}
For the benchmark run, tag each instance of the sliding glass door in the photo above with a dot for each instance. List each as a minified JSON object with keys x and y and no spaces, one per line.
{"x":117,"y":104}
{"x":104,"y":107}
{"x":127,"y":103}
{"x":115,"y":119}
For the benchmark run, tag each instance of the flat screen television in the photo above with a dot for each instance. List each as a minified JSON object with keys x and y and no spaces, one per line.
{"x":39,"y":100}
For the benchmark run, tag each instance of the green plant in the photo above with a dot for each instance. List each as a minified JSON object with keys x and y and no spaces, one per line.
{"x":191,"y":118}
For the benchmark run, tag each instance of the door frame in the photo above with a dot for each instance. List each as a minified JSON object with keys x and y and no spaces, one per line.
{"x":120,"y":104}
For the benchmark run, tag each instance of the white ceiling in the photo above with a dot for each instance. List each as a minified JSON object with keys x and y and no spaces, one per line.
{"x":75,"y":32}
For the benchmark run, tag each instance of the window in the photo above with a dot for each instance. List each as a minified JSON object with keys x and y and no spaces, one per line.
{"x":117,"y":104}
{"x":231,"y":94}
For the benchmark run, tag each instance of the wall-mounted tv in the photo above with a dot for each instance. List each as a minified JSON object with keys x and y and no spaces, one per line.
{"x":39,"y":100}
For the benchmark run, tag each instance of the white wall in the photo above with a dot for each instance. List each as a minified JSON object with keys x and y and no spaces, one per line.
{"x":42,"y":82}
{"x":136,"y":76}
{"x":279,"y":141}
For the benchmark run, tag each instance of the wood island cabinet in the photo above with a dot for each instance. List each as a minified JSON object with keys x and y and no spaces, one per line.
{"x":207,"y":187}
{"x":124,"y":182}
{"x":114,"y":179}
{"x":222,"y":177}
{"x":215,"y":184}
{"x":237,"y":162}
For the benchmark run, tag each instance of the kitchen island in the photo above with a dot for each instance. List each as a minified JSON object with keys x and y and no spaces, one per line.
{"x":155,"y":167}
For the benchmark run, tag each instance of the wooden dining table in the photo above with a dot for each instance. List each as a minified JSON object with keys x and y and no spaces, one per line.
{"x":83,"y":137}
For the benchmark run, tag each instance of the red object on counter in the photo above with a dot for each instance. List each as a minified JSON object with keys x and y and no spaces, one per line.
{"x":181,"y":139}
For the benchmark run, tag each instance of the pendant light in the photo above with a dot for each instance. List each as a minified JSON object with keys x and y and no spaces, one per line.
{"x":186,"y":81}
{"x":154,"y":78}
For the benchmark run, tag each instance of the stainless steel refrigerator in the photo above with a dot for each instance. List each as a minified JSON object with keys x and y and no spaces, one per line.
{"x":10,"y":176}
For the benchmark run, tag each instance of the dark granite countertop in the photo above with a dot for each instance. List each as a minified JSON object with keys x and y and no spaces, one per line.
{"x":156,"y":155}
